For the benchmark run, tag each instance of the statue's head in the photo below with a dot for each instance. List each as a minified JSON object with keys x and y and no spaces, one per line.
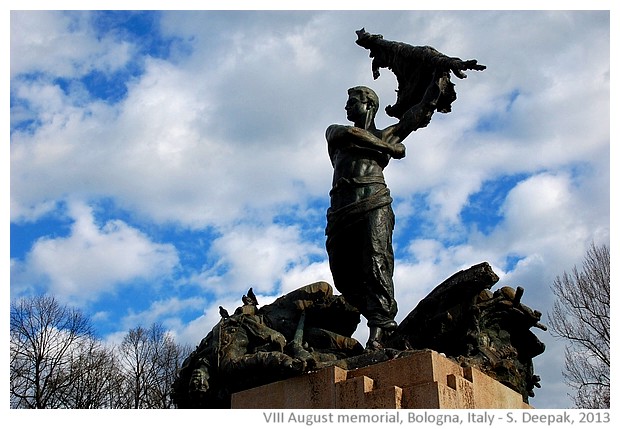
{"x":369,"y":98}
{"x":366,"y":95}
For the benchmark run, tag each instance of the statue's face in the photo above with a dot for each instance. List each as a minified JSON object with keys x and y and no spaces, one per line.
{"x":356,"y":109}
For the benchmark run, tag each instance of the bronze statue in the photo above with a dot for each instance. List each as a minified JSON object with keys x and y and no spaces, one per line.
{"x":360,"y":220}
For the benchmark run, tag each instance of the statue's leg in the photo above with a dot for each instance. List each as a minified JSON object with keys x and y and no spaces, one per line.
{"x":379,"y":270}
{"x":345,"y":259}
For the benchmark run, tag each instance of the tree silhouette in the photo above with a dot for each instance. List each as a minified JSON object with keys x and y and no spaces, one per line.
{"x":46,"y":339}
{"x":580,"y":315}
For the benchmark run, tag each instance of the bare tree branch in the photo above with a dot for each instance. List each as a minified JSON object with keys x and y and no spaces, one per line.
{"x":45,"y":337}
{"x":580,"y":315}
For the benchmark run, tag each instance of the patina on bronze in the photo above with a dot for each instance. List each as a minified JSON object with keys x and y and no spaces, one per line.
{"x":360,"y":220}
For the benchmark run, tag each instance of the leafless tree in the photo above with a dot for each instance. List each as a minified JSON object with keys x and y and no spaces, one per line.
{"x":134,"y":357}
{"x":98,"y":379}
{"x":167,"y":358}
{"x":581,"y":316}
{"x":45,"y":339}
{"x":149,"y":359}
{"x":57,"y":362}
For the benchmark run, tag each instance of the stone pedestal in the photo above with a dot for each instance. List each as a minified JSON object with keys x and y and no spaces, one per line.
{"x":424,"y":380}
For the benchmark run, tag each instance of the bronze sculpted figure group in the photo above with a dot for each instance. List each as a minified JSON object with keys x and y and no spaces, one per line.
{"x":311,"y":327}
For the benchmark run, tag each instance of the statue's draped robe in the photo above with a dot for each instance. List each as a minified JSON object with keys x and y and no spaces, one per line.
{"x":359,"y":245}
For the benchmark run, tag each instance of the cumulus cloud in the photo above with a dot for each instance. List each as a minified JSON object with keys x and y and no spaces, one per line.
{"x":62,"y":44}
{"x":96,"y":259}
{"x":256,"y":256}
{"x":161,"y":152}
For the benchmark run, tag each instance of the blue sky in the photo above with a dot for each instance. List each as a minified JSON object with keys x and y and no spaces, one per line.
{"x":163,"y":162}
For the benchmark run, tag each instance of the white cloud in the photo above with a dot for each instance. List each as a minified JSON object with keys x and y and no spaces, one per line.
{"x":255,"y":256}
{"x":302,"y":275}
{"x":163,"y":311}
{"x":160,"y":153}
{"x":62,"y":44}
{"x":94,"y":260}
{"x":542,"y":206}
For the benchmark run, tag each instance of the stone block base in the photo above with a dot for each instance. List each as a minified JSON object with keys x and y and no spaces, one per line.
{"x":423,"y":380}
